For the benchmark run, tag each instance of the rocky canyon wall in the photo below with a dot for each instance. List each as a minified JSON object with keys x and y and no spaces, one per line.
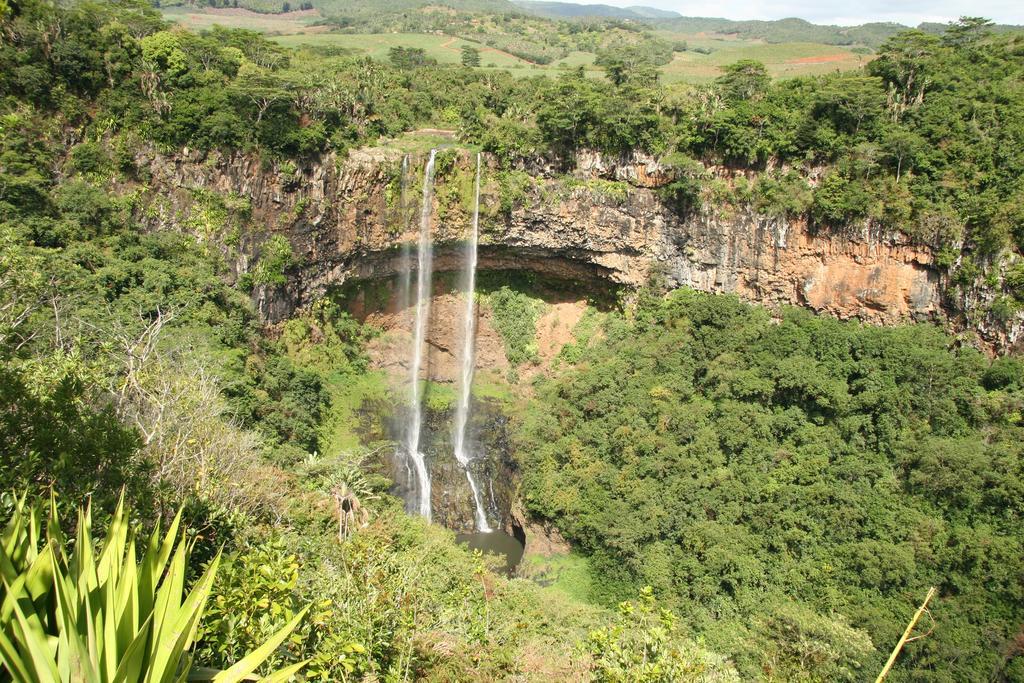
{"x":603,"y":225}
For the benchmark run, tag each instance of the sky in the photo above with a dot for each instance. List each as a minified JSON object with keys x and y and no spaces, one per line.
{"x":842,"y":12}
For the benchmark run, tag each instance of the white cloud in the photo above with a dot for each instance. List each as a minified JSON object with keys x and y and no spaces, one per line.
{"x":842,"y":12}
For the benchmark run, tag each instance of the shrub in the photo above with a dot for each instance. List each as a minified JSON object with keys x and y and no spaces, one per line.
{"x":644,"y":646}
{"x":100,"y":616}
{"x":515,"y":315}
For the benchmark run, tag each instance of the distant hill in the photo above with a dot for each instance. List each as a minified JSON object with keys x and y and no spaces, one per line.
{"x":789,"y":30}
{"x":409,"y":16}
{"x":653,"y":12}
{"x":569,"y":10}
{"x":358,"y":8}
{"x":800,"y":30}
{"x":776,"y":31}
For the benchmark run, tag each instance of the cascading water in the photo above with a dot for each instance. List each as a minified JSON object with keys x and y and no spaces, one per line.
{"x":468,"y":359}
{"x":424,"y":259}
{"x":404,"y":266}
{"x":405,"y":281}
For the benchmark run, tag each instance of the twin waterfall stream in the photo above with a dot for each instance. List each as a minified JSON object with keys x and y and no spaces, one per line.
{"x":411,"y":446}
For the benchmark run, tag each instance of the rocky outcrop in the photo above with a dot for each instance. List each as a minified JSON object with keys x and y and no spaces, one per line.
{"x":604,"y":226}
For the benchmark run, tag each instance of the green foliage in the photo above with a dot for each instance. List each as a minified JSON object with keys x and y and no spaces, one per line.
{"x":513,"y":187}
{"x":89,"y":157}
{"x":801,"y":645}
{"x":1014,"y":281}
{"x":783,"y":195}
{"x":575,"y":112}
{"x":326,"y":339}
{"x":57,"y":432}
{"x":631,"y":64}
{"x":583,"y":334}
{"x":252,"y":598}
{"x":438,"y":398}
{"x":746,"y":79}
{"x":409,"y":57}
{"x":98,"y":615}
{"x":738,"y":466}
{"x":470,"y":56}
{"x":840,"y":200}
{"x":276,"y":258}
{"x":644,"y":646}
{"x":683,"y":192}
{"x":515,"y":316}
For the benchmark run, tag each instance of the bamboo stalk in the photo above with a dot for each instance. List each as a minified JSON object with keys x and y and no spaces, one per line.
{"x":906,"y":636}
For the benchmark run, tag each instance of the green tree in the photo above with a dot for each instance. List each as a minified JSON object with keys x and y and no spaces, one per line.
{"x":906,"y":63}
{"x":260,"y":87}
{"x":566,"y":115}
{"x":628,"y":64}
{"x":743,"y":80}
{"x":850,"y":101}
{"x":902,"y":148}
{"x":470,"y":56}
{"x":966,"y":31}
{"x":402,"y":57}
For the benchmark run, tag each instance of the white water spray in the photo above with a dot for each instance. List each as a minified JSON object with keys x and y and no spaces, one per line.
{"x":405,"y":253}
{"x":404,"y":288}
{"x":424,"y":259}
{"x":468,"y":360}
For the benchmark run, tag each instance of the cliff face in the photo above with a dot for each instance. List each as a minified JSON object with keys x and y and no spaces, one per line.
{"x":346,"y":219}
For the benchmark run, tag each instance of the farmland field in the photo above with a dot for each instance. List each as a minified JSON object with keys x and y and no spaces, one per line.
{"x":296,"y":29}
{"x":199,"y":19}
{"x":783,"y":60}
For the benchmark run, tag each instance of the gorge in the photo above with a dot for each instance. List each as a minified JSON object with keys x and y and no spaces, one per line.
{"x":599,"y":231}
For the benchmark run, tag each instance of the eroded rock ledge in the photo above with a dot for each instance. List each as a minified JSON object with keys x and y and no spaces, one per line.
{"x":344,"y":220}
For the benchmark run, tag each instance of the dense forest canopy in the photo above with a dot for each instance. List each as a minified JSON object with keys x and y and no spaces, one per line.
{"x":805,"y":476}
{"x":775,"y":495}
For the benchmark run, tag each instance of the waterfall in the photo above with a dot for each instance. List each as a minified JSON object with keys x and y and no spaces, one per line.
{"x":424,"y":259}
{"x":404,"y":266}
{"x":466,"y":374}
{"x":404,"y":283}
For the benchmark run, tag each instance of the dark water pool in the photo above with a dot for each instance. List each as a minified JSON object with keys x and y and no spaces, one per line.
{"x":497,"y":542}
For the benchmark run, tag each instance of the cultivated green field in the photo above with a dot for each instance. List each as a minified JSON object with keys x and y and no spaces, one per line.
{"x":295,"y":29}
{"x":783,"y":60}
{"x":199,"y":19}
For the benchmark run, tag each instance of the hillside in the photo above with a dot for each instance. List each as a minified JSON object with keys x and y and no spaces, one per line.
{"x":568,"y":10}
{"x":527,"y":45}
{"x":355,"y":9}
{"x":375,"y":15}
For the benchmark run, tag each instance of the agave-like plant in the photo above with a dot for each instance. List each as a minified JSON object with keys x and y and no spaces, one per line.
{"x":104,"y":617}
